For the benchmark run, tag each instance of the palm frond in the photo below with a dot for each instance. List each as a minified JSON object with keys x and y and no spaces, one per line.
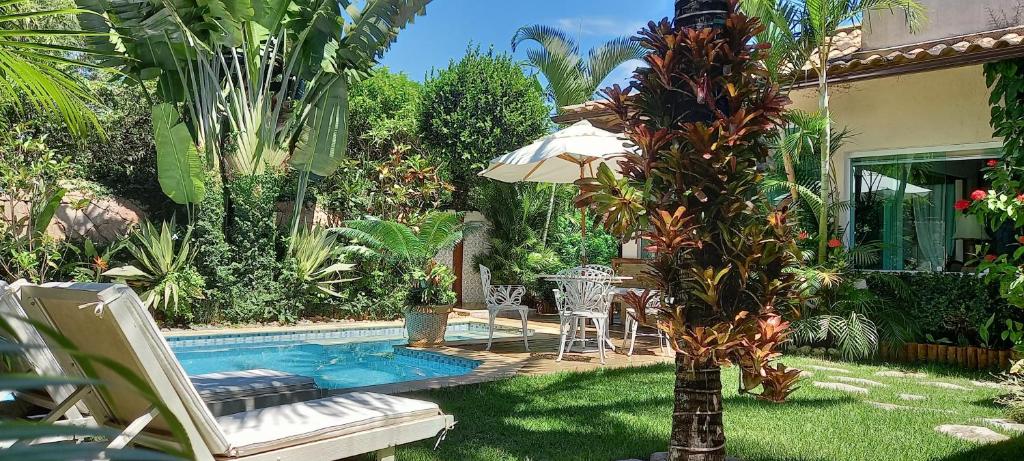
{"x":602,"y":60}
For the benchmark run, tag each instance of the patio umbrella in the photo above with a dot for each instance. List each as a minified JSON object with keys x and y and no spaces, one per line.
{"x":561,"y":157}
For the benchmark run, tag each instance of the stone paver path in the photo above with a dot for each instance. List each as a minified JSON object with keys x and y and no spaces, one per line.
{"x":942,"y":385}
{"x":861,"y":381}
{"x":989,"y":385}
{"x":831,"y":369}
{"x":900,"y":374}
{"x":806,"y":374}
{"x":1006,"y":425}
{"x":888,"y":406}
{"x":912,"y":397}
{"x":975,"y":434}
{"x":840,"y":387}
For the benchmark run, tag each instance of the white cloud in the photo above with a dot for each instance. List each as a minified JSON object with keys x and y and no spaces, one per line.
{"x":599,"y":26}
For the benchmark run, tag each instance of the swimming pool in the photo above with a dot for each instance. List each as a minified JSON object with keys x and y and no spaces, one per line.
{"x":335,"y":359}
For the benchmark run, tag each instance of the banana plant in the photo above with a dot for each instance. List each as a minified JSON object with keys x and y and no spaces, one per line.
{"x":263,"y":84}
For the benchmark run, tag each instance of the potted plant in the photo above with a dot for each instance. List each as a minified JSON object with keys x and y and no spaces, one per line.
{"x":431,"y":301}
{"x":411,"y":249}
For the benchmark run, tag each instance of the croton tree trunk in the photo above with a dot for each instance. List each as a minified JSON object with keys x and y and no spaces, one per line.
{"x":697,"y":430}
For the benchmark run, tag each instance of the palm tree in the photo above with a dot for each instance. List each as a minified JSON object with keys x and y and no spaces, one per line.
{"x":806,"y":28}
{"x":31,"y":64}
{"x":572,"y":79}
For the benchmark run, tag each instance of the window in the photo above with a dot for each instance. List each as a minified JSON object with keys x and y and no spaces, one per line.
{"x":904,"y":206}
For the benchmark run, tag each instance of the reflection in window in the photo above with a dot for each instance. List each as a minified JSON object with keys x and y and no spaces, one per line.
{"x":906,"y":205}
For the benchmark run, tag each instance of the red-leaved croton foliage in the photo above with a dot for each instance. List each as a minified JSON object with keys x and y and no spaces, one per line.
{"x":697,"y":116}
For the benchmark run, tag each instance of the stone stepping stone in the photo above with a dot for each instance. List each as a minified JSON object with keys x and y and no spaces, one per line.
{"x":900,"y":374}
{"x":942,"y":385}
{"x":888,"y":406}
{"x":806,"y":374}
{"x":1006,"y":425}
{"x":861,"y":381}
{"x":989,"y":385}
{"x":912,"y":397}
{"x":974,"y":434}
{"x":840,"y":387}
{"x":830,"y":369}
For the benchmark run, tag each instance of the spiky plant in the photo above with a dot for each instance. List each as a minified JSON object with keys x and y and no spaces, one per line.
{"x":699,"y":115}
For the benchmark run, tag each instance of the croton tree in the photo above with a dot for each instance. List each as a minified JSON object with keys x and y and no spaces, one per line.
{"x":697,"y":116}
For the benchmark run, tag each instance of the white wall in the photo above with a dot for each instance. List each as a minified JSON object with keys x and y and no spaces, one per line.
{"x":940,"y":111}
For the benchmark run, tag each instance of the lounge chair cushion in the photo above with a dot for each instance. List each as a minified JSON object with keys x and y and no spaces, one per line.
{"x":248,"y":383}
{"x":271,"y":428}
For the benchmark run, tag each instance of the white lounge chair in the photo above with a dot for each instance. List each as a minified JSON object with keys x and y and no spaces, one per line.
{"x":61,"y":400}
{"x":109,"y":320}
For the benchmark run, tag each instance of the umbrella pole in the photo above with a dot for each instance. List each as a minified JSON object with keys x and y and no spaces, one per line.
{"x":583,"y":227}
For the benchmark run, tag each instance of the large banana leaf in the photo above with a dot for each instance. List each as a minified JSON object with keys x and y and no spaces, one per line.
{"x":179,"y":168}
{"x":324,"y":136}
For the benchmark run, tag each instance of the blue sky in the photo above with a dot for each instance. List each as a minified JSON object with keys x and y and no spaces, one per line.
{"x":450,"y":25}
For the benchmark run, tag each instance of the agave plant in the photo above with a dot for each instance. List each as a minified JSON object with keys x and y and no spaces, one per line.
{"x":163,"y":269}
{"x":317,"y":258}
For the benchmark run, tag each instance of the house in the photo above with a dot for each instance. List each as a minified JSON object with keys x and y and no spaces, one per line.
{"x":917,"y":107}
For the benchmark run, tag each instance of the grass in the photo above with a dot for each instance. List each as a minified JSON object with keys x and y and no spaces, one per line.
{"x":625,"y":413}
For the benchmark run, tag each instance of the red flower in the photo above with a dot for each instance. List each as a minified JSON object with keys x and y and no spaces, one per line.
{"x":1020,"y":198}
{"x":803,"y":235}
{"x":992,"y":162}
{"x":1021,"y":239}
{"x":979,"y":195}
{"x":835,"y":243}
{"x":990,"y":257}
{"x":961,"y":205}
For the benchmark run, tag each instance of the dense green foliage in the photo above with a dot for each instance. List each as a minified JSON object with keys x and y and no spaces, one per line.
{"x":478,"y":108}
{"x":624,"y":413}
{"x":945,"y":306}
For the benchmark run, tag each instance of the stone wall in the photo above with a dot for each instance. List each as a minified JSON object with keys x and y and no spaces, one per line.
{"x":82,"y":215}
{"x":475,"y":244}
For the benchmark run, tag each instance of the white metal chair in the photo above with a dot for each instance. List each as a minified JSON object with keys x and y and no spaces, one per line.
{"x":503,"y":298}
{"x":631,"y":324}
{"x":585,"y":295}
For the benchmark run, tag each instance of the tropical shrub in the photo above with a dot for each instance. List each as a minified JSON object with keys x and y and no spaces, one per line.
{"x":384,"y":113}
{"x":699,"y":115}
{"x":33,"y":179}
{"x":411,"y":251}
{"x":945,"y":306}
{"x":162,"y":270}
{"x":476,"y":109}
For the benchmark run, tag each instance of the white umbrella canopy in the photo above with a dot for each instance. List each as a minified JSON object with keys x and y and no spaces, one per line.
{"x":561,"y":157}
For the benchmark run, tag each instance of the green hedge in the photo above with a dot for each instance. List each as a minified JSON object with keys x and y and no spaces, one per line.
{"x":950,"y":306}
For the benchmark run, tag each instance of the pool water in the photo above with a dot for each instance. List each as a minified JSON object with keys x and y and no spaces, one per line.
{"x":335,"y":359}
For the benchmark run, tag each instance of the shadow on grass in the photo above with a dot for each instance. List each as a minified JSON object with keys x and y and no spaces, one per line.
{"x":1009,"y":450}
{"x":602,"y":415}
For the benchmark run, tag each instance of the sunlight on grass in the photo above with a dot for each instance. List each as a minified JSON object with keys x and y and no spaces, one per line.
{"x":624,"y":413}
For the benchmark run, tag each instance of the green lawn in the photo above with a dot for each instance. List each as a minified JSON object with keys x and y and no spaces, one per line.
{"x":624,"y":413}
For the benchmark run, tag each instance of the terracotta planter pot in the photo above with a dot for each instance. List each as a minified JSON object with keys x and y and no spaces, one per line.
{"x":972,"y":358}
